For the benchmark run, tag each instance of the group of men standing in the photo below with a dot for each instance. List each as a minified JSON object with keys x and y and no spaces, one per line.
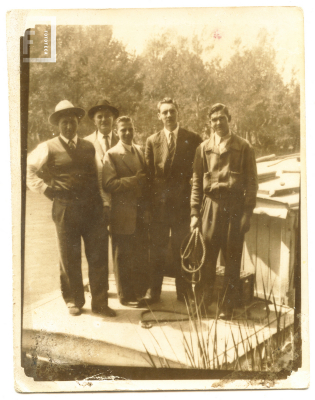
{"x":178,"y":183}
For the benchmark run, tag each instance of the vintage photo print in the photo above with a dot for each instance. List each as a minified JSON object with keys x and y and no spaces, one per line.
{"x":159,"y":199}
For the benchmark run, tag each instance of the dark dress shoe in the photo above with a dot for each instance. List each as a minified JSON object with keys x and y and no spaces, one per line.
{"x":105,"y":311}
{"x":130,"y":303}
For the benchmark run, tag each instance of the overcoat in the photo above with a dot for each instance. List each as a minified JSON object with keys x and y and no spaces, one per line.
{"x":231,"y":173}
{"x":119,"y":179}
{"x":224,"y":188}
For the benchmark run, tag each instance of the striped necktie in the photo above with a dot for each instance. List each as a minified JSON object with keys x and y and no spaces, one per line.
{"x":71,"y":145}
{"x":171,"y":145}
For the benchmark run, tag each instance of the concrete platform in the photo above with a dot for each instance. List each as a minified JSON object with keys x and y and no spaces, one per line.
{"x":51,"y":334}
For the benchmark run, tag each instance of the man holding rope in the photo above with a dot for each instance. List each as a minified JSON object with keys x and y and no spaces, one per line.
{"x":169,"y":156}
{"x":222,"y":201}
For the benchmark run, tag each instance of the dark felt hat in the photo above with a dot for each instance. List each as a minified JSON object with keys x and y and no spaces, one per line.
{"x":64,"y":107}
{"x":103,"y":105}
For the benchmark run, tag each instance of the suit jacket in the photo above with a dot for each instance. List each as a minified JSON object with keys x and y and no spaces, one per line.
{"x":169,"y":180}
{"x":119,"y":179}
{"x":99,"y":160}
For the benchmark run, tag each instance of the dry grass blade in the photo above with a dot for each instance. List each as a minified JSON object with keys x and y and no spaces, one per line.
{"x":243,"y":342}
{"x":163,"y":356}
{"x":258,"y":349}
{"x":153,"y":365}
{"x":236,"y":350}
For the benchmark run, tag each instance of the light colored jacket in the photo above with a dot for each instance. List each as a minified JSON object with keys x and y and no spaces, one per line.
{"x":99,"y":157}
{"x":119,"y":179}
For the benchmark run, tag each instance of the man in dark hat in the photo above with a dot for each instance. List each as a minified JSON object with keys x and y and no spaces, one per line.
{"x":222,"y":202}
{"x":103,"y":115}
{"x":77,"y":208}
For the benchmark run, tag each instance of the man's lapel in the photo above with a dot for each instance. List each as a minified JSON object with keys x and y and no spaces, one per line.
{"x":161,"y":148}
{"x":114,"y":140}
{"x":127,"y":158}
{"x":98,"y":147}
{"x":140,"y":156}
{"x":209,"y":146}
{"x":232,"y":143}
{"x":180,"y":143}
{"x":181,"y":147}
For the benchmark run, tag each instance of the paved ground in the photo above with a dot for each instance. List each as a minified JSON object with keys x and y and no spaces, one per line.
{"x":50,"y":333}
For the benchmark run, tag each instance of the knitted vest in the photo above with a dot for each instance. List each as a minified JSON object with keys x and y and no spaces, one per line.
{"x":75,"y":173}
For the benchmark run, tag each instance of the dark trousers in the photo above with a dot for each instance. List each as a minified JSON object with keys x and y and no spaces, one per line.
{"x":130,"y":256}
{"x":160,"y":230}
{"x":75,"y":219}
{"x":221,"y":230}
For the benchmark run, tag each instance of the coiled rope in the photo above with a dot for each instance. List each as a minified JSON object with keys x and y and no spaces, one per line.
{"x":193,"y":256}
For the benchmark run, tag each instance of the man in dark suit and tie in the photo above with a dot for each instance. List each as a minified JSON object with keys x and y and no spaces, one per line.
{"x":124,"y":177}
{"x":77,"y":209}
{"x":169,"y":157}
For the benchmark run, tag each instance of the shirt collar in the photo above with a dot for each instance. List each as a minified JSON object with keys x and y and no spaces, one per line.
{"x":75,"y":139}
{"x":218,"y":139}
{"x":100,"y":135}
{"x":126,"y":146}
{"x":175,"y":131}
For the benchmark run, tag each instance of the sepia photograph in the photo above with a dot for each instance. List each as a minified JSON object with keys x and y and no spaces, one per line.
{"x":159,"y":199}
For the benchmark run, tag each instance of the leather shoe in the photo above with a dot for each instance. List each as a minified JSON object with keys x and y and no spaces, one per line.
{"x":105,"y":311}
{"x":149,"y":298}
{"x":74,"y":311}
{"x":226,"y":315}
{"x":129,"y":303}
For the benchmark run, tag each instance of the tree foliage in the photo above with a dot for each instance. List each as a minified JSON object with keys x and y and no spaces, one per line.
{"x":92,"y":64}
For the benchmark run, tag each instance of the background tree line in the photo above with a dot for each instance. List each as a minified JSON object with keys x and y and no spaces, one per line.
{"x":92,"y":64}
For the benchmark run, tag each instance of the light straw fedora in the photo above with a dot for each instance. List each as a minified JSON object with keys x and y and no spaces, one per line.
{"x":64,"y":107}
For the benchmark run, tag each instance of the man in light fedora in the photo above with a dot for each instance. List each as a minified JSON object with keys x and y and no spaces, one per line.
{"x":77,"y":208}
{"x":103,"y":115}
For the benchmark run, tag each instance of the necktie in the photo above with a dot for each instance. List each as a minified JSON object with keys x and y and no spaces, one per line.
{"x":107,"y":146}
{"x":171,"y":145}
{"x":71,"y":145}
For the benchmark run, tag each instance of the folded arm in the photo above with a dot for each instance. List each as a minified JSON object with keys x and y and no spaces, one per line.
{"x":112,"y":183}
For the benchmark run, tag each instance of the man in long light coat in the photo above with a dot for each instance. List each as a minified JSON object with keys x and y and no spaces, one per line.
{"x":124,"y":177}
